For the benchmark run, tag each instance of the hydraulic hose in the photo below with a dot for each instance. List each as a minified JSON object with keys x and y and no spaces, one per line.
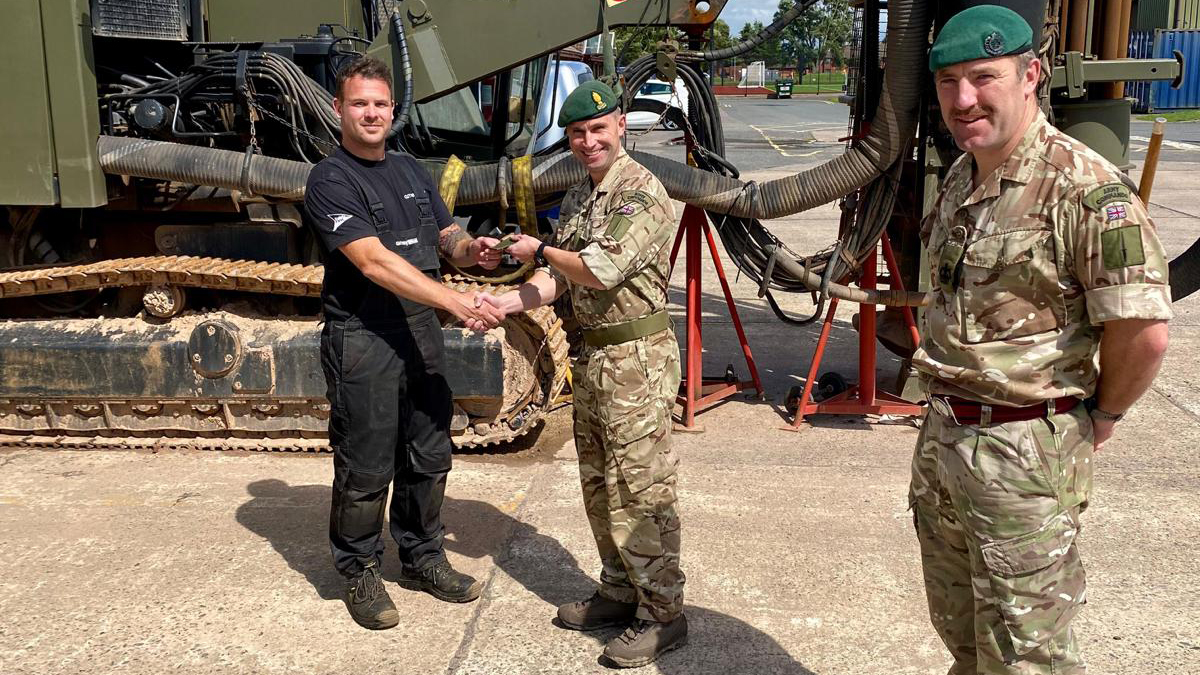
{"x":269,"y":176}
{"x":285,"y":179}
{"x":756,"y":40}
{"x":406,"y":69}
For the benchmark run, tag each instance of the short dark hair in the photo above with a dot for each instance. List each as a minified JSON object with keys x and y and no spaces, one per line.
{"x":366,"y":67}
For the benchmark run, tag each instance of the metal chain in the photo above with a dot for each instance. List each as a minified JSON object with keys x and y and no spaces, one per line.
{"x":293,"y":127}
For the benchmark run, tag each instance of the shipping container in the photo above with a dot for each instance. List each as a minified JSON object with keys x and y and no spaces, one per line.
{"x":1186,"y":42}
{"x":1151,"y":14}
{"x":1141,"y":46}
{"x":1187,"y":15}
{"x":1162,"y":44}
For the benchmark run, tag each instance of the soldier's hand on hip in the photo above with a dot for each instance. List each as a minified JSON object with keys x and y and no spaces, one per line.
{"x":1102,"y":430}
{"x":524,"y":247}
{"x":483,"y":254}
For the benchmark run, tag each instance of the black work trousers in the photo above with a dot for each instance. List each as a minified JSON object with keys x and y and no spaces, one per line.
{"x":389,"y":424}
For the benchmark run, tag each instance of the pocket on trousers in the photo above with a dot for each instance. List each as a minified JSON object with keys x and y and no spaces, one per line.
{"x":353,"y":345}
{"x":636,"y":439}
{"x":1037,"y":582}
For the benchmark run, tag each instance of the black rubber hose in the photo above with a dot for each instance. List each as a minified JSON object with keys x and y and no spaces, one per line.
{"x":756,"y":40}
{"x":269,"y":176}
{"x":406,"y":70}
{"x":1184,"y":273}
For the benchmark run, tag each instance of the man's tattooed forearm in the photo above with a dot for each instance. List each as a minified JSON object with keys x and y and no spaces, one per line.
{"x":449,"y":240}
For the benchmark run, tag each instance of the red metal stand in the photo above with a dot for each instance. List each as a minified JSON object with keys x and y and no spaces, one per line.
{"x":862,"y":398}
{"x":699,"y":393}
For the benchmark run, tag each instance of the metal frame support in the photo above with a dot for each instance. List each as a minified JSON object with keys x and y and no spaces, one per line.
{"x":863,"y":398}
{"x":698,"y":392}
{"x":1076,"y":73}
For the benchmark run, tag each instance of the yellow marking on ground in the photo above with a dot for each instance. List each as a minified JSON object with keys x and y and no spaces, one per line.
{"x":779,"y":149}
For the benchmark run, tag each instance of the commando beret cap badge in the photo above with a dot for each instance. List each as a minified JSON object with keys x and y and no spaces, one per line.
{"x":589,"y":100}
{"x":980,"y":32}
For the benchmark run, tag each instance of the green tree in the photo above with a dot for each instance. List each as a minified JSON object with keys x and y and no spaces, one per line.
{"x":768,"y":51}
{"x":823,"y":29}
{"x":719,"y":34}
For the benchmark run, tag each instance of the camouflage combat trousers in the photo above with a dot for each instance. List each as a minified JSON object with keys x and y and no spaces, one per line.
{"x":997,"y":513}
{"x":624,"y":394}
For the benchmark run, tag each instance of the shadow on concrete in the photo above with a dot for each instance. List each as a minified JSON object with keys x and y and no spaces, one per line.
{"x":294,"y":518}
{"x":719,"y":643}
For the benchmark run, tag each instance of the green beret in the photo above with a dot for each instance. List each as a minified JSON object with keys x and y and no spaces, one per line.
{"x":589,"y":100}
{"x":980,"y":32}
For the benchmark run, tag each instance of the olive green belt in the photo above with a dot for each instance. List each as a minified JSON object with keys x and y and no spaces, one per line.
{"x":630,"y":330}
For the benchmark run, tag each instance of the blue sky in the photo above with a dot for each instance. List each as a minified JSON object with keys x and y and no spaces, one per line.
{"x":739,"y":12}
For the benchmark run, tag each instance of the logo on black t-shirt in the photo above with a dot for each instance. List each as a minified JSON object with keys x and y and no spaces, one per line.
{"x":338,"y":219}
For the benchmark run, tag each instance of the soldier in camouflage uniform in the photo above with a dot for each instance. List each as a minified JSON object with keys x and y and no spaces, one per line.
{"x":1041,"y":259}
{"x":612,"y":252}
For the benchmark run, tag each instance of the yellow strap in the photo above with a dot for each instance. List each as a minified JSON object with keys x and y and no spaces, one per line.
{"x":522,"y":172}
{"x":569,"y":395}
{"x":451,"y":176}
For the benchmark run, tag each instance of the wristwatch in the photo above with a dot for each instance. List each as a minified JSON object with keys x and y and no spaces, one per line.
{"x":1094,"y":410}
{"x":539,"y":256}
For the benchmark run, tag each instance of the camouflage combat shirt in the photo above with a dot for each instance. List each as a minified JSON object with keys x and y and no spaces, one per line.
{"x":1027,"y":266}
{"x":621,"y":229}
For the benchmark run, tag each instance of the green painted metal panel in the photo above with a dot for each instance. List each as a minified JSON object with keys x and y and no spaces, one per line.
{"x":74,"y":111}
{"x":244,"y":21}
{"x":505,"y":33}
{"x":27,"y":172}
{"x":1151,"y":14}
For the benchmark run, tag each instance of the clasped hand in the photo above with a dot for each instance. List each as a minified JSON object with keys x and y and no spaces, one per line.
{"x":474,"y":310}
{"x":489,"y":305}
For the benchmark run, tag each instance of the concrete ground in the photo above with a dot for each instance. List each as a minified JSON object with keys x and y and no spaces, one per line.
{"x":798,"y":548}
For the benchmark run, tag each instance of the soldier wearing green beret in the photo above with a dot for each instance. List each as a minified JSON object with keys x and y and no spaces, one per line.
{"x":1047,"y":322}
{"x":612,"y":252}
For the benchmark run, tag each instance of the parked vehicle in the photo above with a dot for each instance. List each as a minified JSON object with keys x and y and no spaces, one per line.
{"x":657,"y":90}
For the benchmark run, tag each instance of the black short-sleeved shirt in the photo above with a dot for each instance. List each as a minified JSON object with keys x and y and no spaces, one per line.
{"x":337,"y":211}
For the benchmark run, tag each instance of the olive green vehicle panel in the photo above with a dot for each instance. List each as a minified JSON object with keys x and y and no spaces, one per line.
{"x":70,"y":69}
{"x":246,"y":21}
{"x":48,"y":116}
{"x":27,"y":174}
{"x":504,"y":34}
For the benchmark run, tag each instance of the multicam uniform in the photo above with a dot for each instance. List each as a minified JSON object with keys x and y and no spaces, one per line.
{"x":626,"y":380}
{"x":1026,"y":268}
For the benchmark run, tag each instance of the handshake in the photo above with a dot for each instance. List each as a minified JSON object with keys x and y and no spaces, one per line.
{"x":478,"y":311}
{"x":481,"y":311}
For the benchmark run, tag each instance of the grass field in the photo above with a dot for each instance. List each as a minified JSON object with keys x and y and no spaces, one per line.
{"x":830,"y":83}
{"x":1177,"y":116}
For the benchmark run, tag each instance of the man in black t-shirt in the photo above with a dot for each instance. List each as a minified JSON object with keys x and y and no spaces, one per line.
{"x":383,"y":227}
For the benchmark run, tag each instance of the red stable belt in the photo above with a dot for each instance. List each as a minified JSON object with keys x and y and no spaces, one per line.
{"x":967,"y":412}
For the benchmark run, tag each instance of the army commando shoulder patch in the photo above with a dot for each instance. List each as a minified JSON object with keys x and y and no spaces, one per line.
{"x":632,"y":201}
{"x":1107,"y":194}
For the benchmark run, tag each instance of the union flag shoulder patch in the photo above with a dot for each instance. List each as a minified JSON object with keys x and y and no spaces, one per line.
{"x":1115,"y":212}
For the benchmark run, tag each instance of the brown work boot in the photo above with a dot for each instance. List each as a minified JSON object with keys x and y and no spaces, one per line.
{"x":645,"y":641}
{"x":596,"y":612}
